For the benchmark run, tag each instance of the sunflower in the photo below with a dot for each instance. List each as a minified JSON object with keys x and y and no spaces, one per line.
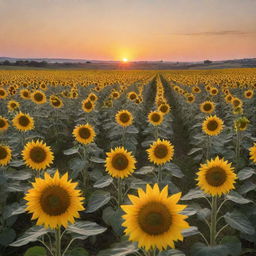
{"x":214,"y":91}
{"x":216,"y":177}
{"x":132,"y":96}
{"x":5,"y":155}
{"x":207,"y":107}
{"x":23,"y":122}
{"x":92,"y":97}
{"x":160,"y":152}
{"x":153,"y":219}
{"x":56,"y":102}
{"x":115,"y":95}
{"x":190,"y":98}
{"x":236,"y":102}
{"x":38,"y":97}
{"x":124,"y":118}
{"x":241,"y":124}
{"x":3,"y":93}
{"x":238,"y":111}
{"x":196,"y":89}
{"x":248,"y":94}
{"x":228,"y":98}
{"x":3,"y":124}
{"x":13,"y":105}
{"x":155,"y":118}
{"x":212,"y":125}
{"x":253,"y":153}
{"x":164,"y":108}
{"x":25,"y":94}
{"x":54,"y":201}
{"x":84,"y":133}
{"x":37,"y":155}
{"x":87,"y":105}
{"x":120,"y":163}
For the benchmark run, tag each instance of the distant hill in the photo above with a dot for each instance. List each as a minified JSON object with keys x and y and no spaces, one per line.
{"x":58,"y":63}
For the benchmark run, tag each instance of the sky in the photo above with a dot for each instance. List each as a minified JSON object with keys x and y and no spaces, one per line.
{"x":169,"y":30}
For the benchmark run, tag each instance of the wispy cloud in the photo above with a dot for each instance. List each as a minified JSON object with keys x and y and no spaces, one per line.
{"x":217,"y":33}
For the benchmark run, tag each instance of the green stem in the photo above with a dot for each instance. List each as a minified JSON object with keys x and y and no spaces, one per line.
{"x":208,"y":146}
{"x":119,"y":191}
{"x":237,"y":146}
{"x":58,"y":241}
{"x":159,"y":174}
{"x":213,"y":221}
{"x":156,"y":132}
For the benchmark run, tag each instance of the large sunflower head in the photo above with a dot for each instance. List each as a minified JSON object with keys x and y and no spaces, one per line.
{"x":84,"y":133}
{"x":160,"y":152}
{"x":23,"y":122}
{"x":252,"y":152}
{"x":25,"y":94}
{"x":236,"y":102}
{"x":153,"y":219}
{"x":38,"y":97}
{"x":87,"y":105}
{"x":155,"y":117}
{"x":216,"y":177}
{"x":54,"y":201}
{"x":124,"y":118}
{"x":3,"y":93}
{"x":55,"y":101}
{"x":248,"y":94}
{"x":241,"y":123}
{"x":120,"y":163}
{"x":212,"y":125}
{"x":3,"y":124}
{"x":13,"y":105}
{"x":37,"y":155}
{"x":207,"y":107}
{"x":164,"y":108}
{"x":5,"y":155}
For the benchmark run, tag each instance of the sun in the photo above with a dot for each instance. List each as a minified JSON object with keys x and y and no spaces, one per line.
{"x":125,"y":60}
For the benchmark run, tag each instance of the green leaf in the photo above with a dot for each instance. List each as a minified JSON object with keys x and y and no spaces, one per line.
{"x":233,"y":244}
{"x":71,"y":151}
{"x":247,"y":187}
{"x":174,"y":169}
{"x":76,"y":165}
{"x":239,"y":222}
{"x":145,"y":170}
{"x":120,"y":249}
{"x":237,"y":198}
{"x":172,"y":252}
{"x":97,"y":200}
{"x":193,"y":230}
{"x":7,"y":236}
{"x":194,"y":150}
{"x":19,"y":210}
{"x":107,"y":214}
{"x":193,"y":194}
{"x":103,"y":182}
{"x":97,"y":160}
{"x":200,"y":249}
{"x":78,"y":251}
{"x":19,"y":175}
{"x":31,"y":235}
{"x":189,"y":211}
{"x":36,"y":251}
{"x":246,"y":173}
{"x":16,"y":163}
{"x":132,"y":130}
{"x":85,"y":229}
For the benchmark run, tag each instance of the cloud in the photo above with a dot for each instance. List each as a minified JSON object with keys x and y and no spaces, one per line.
{"x":217,"y":33}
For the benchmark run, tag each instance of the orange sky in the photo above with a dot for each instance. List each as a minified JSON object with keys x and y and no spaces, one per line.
{"x":135,"y":29}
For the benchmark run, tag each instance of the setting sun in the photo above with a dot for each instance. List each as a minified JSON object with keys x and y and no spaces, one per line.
{"x":125,"y":60}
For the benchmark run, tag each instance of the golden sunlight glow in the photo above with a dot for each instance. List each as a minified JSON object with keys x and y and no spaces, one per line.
{"x":125,"y":60}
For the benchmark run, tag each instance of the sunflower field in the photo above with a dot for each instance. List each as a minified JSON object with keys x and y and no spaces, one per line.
{"x":136,"y":163}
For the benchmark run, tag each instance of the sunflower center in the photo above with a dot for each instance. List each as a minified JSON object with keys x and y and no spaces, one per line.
{"x":92,"y":97}
{"x":212,"y":125}
{"x":207,"y":107}
{"x":38,"y":97}
{"x":88,"y":105}
{"x":243,"y":124}
{"x":163,"y":108}
{"x":190,"y":98}
{"x":2,"y":123}
{"x":132,"y":96}
{"x":13,"y":105}
{"x":2,"y":93}
{"x":249,"y":94}
{"x":55,"y":200}
{"x":120,"y":162}
{"x":84,"y":133}
{"x":3,"y":153}
{"x":155,"y":117}
{"x":154,"y":218}
{"x":236,"y":103}
{"x":24,"y":121}
{"x":25,"y":94}
{"x":37,"y":154}
{"x":161,"y":151}
{"x":216,"y":176}
{"x":55,"y":102}
{"x":124,"y":118}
